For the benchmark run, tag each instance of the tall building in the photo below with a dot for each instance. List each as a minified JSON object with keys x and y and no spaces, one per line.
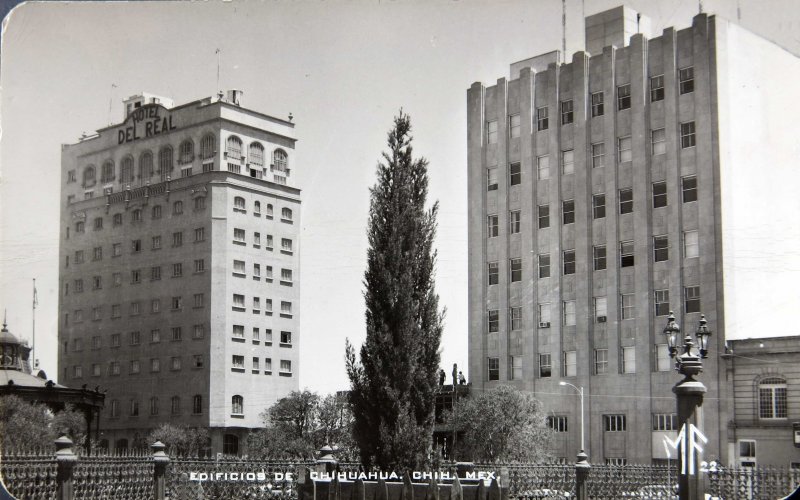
{"x":179,"y":267}
{"x":648,"y":174}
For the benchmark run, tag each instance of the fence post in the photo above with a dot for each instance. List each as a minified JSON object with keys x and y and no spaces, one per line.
{"x":161,"y":460}
{"x":581,"y":474}
{"x":66,"y":460}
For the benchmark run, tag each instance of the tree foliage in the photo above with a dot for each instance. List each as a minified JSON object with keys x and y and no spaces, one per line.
{"x":393,"y":383}
{"x":181,"y":440}
{"x":25,"y":425}
{"x":501,"y":425}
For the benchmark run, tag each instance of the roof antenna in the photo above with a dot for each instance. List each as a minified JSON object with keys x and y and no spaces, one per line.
{"x":218,"y":56}
{"x":110,"y":100}
{"x":638,"y":18}
{"x":564,"y":29}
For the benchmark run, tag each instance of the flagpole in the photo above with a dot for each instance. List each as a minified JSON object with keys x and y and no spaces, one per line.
{"x":33,"y":340}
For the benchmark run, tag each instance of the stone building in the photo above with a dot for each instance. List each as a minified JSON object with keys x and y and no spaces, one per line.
{"x":179,"y":267}
{"x":608,"y":190}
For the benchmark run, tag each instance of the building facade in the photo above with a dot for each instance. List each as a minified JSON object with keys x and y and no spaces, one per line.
{"x":179,"y":268}
{"x":596,"y":191}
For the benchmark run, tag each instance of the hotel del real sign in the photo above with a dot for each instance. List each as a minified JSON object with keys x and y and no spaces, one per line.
{"x":145,"y":122}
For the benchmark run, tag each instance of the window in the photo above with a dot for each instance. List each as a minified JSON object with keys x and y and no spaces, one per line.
{"x":98,"y":223}
{"x":491,"y":132}
{"x":597,"y":104}
{"x":238,"y":301}
{"x":177,"y":270}
{"x":199,"y":203}
{"x":691,"y":299}
{"x":286,"y":308}
{"x":624,"y":149}
{"x":491,"y":179}
{"x":116,"y":249}
{"x":268,"y":274}
{"x":626,"y":253}
{"x":493,"y":320}
{"x":599,"y":257}
{"x":257,"y":240}
{"x":134,"y":408}
{"x":747,"y":448}
{"x":155,"y":273}
{"x":544,"y":315}
{"x":568,"y":162}
{"x":516,"y":367}
{"x":598,"y":155}
{"x":237,"y":362}
{"x":155,"y":243}
{"x":557,"y":423}
{"x":286,"y":367}
{"x":542,"y":121}
{"x":237,"y":402}
{"x":686,"y":80}
{"x":599,"y":206}
{"x":177,"y":333}
{"x":625,"y":201}
{"x":543,"y":167}
{"x":175,"y":405}
{"x":514,"y":125}
{"x":493,"y":273}
{"x":600,"y":309}
{"x":659,"y":194}
{"x":197,"y":404}
{"x":286,"y":245}
{"x":629,"y":359}
{"x":661,"y":298}
{"x":155,"y":336}
{"x":614,"y":423}
{"x":665,"y":422}
{"x":545,"y":366}
{"x":155,"y":365}
{"x":514,"y":221}
{"x":687,"y":135}
{"x":177,"y":208}
{"x":568,"y":212}
{"x":516,"y":270}
{"x":257,"y":305}
{"x":177,"y":303}
{"x":515,"y":174}
{"x":568,"y":313}
{"x":286,"y":214}
{"x":268,"y":244}
{"x":663,"y":360}
{"x":515,"y":314}
{"x":493,"y":365}
{"x":660,"y":248}
{"x":691,"y":244}
{"x":570,"y":359}
{"x":658,"y":141}
{"x":134,"y":367}
{"x":199,"y":234}
{"x":624,"y":96}
{"x":544,"y":216}
{"x":772,"y":401}
{"x":199,"y":331}
{"x":600,"y":361}
{"x":628,"y":305}
{"x":115,"y":340}
{"x":492,"y":226}
{"x":657,"y":88}
{"x":239,"y":236}
{"x":256,"y":271}
{"x":175,"y":363}
{"x":566,"y":112}
{"x":97,"y":282}
{"x":286,"y":338}
{"x":79,"y":257}
{"x":136,"y":276}
{"x":155,"y":305}
{"x":569,"y":262}
{"x":544,"y":265}
{"x":286,"y":275}
{"x":199,"y":265}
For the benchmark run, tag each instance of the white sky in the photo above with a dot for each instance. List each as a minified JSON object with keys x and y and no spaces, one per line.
{"x":342,"y":68}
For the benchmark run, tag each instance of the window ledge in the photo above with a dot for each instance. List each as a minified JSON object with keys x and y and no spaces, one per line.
{"x":238,"y":309}
{"x":237,"y":415}
{"x":239,"y":243}
{"x":284,"y":374}
{"x":282,"y":344}
{"x":237,"y":370}
{"x":238,"y":339}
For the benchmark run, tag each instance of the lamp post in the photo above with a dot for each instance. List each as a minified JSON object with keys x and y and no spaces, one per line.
{"x":689,"y":393}
{"x":582,"y":463}
{"x":580,"y":393}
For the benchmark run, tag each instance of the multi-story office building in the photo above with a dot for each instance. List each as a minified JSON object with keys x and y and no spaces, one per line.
{"x":179,"y":268}
{"x":610,"y":190}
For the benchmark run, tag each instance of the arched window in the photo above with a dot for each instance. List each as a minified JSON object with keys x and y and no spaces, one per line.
{"x":238,"y":204}
{"x":286,"y":213}
{"x":126,"y":170}
{"x":176,"y":405}
{"x":256,"y":154}
{"x":157,"y":212}
{"x":146,"y":165}
{"x":269,"y":210}
{"x":197,"y":404}
{"x":279,"y":160}
{"x":207,"y":146}
{"x":237,"y":405}
{"x":165,"y":162}
{"x":772,"y":398}
{"x":230,"y":444}
{"x":107,"y":174}
{"x":89,"y":176}
{"x":186,"y":152}
{"x":234,"y":147}
{"x":257,"y":208}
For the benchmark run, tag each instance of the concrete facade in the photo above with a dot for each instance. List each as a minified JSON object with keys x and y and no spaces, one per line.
{"x":588,"y":227}
{"x":179,"y":270}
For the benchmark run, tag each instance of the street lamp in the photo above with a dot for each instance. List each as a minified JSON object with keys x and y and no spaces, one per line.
{"x":580,"y":393}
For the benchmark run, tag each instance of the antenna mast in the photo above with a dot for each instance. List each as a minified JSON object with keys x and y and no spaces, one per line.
{"x":564,"y":29}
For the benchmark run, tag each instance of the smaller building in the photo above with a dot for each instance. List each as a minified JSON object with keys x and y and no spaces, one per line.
{"x":765,"y":375}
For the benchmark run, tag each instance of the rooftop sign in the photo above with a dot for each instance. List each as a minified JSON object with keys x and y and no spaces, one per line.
{"x":147,"y":121}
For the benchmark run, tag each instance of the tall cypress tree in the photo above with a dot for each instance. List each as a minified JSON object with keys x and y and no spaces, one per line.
{"x":393,"y":386}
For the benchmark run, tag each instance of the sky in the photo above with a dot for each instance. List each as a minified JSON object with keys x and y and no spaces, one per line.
{"x":342,"y":68}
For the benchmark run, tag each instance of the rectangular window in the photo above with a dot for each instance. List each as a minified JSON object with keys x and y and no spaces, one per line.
{"x":568,"y":212}
{"x":177,"y":303}
{"x":747,"y":448}
{"x":199,"y":234}
{"x":569,"y":262}
{"x":177,"y":239}
{"x":657,"y":88}
{"x":687,"y":135}
{"x":175,"y":363}
{"x":658,"y":141}
{"x":516,"y":367}
{"x":772,"y":402}
{"x":516,"y":269}
{"x":659,"y":194}
{"x":493,"y":320}
{"x":135,"y":366}
{"x":661,"y":298}
{"x":629,"y":359}
{"x":600,"y":361}
{"x":599,"y":257}
{"x":177,"y":270}
{"x":628,"y":305}
{"x":155,"y":305}
{"x":624,"y":145}
{"x":286,"y":338}
{"x":599,"y":206}
{"x":267,"y":305}
{"x":515,"y":314}
{"x":625,"y":201}
{"x":267,"y":245}
{"x":199,"y":331}
{"x":660,"y":248}
{"x":116,"y":249}
{"x":286,"y":308}
{"x":544,"y":216}
{"x":97,"y":253}
{"x":663,"y":361}
{"x":237,"y":361}
{"x":626,"y":253}
{"x":493,"y":365}
{"x":614,"y":423}
{"x":566,"y":112}
{"x":598,"y":155}
{"x":545,"y":366}
{"x":238,"y":236}
{"x":238,"y":267}
{"x":514,"y":126}
{"x":515,"y":174}
{"x":557,"y":423}
{"x":199,"y":265}
{"x":665,"y":422}
{"x":568,"y":316}
{"x":597,"y":104}
{"x":136,"y":276}
{"x":492,"y":226}
{"x":256,"y":364}
{"x":542,"y":121}
{"x":568,"y":162}
{"x":691,"y":244}
{"x":544,"y":265}
{"x":691,"y":297}
{"x":600,"y":309}
{"x":570,"y":363}
{"x":177,"y":333}
{"x":286,"y":275}
{"x":544,"y":315}
{"x":686,"y":80}
{"x":238,"y":301}
{"x":491,"y":179}
{"x":156,"y":243}
{"x":491,"y":132}
{"x":514,"y":221}
{"x":493,"y":273}
{"x":155,"y":336}
{"x":543,"y":167}
{"x":256,"y":305}
{"x":238,"y":331}
{"x":155,"y":365}
{"x":624,"y":96}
